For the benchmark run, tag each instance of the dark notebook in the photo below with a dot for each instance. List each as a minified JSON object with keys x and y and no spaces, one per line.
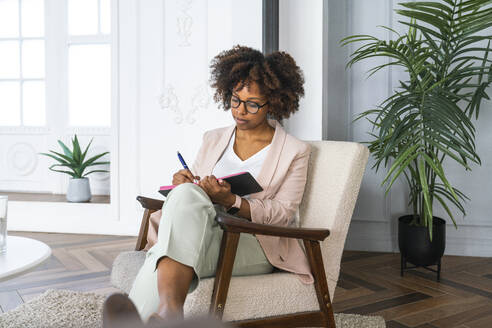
{"x":242,"y":183}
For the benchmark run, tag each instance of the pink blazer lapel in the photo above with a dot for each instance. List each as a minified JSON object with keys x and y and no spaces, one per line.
{"x":272,"y":159}
{"x":221,"y":143}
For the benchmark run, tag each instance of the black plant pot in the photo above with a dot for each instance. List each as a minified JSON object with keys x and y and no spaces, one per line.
{"x":416,"y":247}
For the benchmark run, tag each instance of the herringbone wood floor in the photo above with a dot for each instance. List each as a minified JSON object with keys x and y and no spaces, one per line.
{"x":369,"y":282}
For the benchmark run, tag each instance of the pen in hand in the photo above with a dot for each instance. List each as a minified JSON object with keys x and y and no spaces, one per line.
{"x":181,"y":159}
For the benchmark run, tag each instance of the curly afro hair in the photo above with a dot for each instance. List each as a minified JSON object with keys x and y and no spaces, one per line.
{"x":278,"y":77}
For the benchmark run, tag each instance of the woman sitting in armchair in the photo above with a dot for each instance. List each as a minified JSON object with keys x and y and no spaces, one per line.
{"x":185,"y":247}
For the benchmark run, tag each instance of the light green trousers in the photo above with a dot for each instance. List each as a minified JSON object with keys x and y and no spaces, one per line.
{"x":189,"y":234}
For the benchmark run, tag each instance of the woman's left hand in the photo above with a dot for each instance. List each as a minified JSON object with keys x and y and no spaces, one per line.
{"x":218,"y":191}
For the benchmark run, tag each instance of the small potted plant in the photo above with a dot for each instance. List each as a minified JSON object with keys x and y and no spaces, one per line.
{"x":428,"y":120}
{"x":75,"y":162}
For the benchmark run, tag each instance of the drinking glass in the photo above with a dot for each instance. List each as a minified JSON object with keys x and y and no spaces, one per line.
{"x":3,"y":223}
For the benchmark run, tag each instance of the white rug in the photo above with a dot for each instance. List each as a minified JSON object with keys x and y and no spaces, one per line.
{"x":65,"y":308}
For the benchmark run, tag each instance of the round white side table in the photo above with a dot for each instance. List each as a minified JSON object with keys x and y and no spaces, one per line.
{"x":22,"y":255}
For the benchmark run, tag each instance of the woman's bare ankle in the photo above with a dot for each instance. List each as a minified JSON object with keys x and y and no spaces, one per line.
{"x":155,"y":320}
{"x":170,"y":312}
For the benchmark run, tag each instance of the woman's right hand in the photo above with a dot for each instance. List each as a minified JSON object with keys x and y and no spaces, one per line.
{"x":183,"y":176}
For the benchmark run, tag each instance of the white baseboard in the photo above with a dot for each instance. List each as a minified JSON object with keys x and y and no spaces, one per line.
{"x":380,"y":236}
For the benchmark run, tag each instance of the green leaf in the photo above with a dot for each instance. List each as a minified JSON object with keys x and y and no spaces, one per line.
{"x":66,"y":172}
{"x":95,"y":171}
{"x":422,"y":5}
{"x":445,"y":146}
{"x":76,"y":149}
{"x":402,"y":157}
{"x":444,"y":192}
{"x":440,"y":24}
{"x":401,"y":169}
{"x":78,"y":171}
{"x":421,"y":28}
{"x":59,"y":159}
{"x":449,"y":127}
{"x":66,"y":158}
{"x":85,"y":151}
{"x":63,"y":164}
{"x":357,"y":37}
{"x":60,"y":165}
{"x":446,"y":208}
{"x":67,"y":151}
{"x":450,"y":2}
{"x":436,"y":166}
{"x":91,"y":160}
{"x":431,"y":8}
{"x":390,"y":29}
{"x":98,"y":163}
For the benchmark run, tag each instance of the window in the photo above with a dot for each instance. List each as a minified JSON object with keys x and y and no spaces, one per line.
{"x":85,"y":42}
{"x":56,"y":75}
{"x":89,"y":63}
{"x":22,"y":64}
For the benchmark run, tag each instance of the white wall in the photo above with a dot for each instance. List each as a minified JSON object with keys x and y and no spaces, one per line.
{"x":300,"y":35}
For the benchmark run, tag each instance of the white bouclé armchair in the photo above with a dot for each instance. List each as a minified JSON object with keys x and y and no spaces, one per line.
{"x":278,"y":299}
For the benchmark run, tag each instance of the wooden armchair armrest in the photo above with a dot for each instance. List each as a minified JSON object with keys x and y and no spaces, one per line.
{"x":150,"y":203}
{"x":236,"y":224}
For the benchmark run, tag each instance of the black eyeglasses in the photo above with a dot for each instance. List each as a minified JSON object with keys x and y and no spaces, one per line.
{"x":251,"y":106}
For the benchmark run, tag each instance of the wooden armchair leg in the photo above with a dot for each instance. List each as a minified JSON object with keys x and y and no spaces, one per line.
{"x":228,"y":247}
{"x":144,"y":227}
{"x":315,"y":259}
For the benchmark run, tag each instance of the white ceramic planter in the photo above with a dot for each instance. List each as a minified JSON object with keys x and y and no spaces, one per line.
{"x":79,"y":190}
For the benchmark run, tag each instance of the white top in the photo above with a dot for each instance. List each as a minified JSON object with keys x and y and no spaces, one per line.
{"x":230,"y":163}
{"x":22,"y":255}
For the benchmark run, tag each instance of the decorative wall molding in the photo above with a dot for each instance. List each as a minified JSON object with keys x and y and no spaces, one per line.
{"x":184,"y":22}
{"x":199,"y":100}
{"x":376,"y":236}
{"x":169,"y":100}
{"x":88,"y":131}
{"x":22,"y":159}
{"x":25,"y":130}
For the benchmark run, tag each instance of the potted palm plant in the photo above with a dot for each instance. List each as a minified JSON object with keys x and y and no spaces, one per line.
{"x":428,"y":119}
{"x":74,"y":163}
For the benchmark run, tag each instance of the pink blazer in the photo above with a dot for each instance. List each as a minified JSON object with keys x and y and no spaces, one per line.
{"x":282,"y":177}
